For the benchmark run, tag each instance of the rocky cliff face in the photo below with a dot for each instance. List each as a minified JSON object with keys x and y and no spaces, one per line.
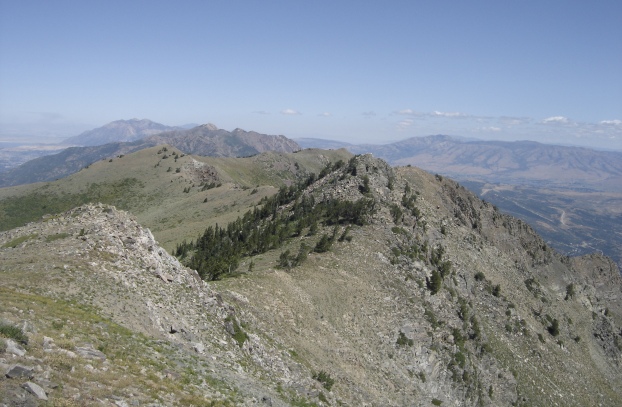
{"x":437,"y":300}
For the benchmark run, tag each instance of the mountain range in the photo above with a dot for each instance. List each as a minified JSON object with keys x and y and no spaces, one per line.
{"x":205,"y":140}
{"x":313,"y":278}
{"x":518,"y":162}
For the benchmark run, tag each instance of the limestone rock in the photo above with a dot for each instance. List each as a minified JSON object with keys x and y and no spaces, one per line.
{"x":89,"y":353}
{"x":36,"y":390}
{"x":14,"y":348}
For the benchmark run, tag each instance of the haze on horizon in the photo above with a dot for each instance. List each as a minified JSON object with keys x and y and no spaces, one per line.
{"x":346,"y":70}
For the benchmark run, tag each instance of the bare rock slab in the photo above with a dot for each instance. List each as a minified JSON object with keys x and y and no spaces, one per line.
{"x":14,"y":348}
{"x":35,"y":390}
{"x":88,"y":352}
{"x":19,"y":371}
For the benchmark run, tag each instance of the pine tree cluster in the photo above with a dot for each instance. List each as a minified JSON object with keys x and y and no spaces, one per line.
{"x":219,"y":249}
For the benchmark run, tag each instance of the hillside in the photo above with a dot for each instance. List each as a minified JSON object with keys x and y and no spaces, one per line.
{"x":208,"y":140}
{"x":151,"y":184}
{"x":205,"y":140}
{"x":429,"y":297}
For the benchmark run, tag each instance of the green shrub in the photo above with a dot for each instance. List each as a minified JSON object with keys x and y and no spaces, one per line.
{"x":437,"y":402}
{"x":460,"y":359}
{"x":554,"y":328}
{"x":324,"y":244}
{"x":479,"y":276}
{"x":58,"y":325}
{"x":435,"y":282}
{"x":56,"y":236}
{"x":570,"y":292}
{"x":286,"y":260}
{"x":486,"y":348}
{"x":403,"y":340}
{"x":13,"y":332}
{"x":325,"y":379}
{"x":238,"y":333}
{"x":365,"y":188}
{"x":18,"y":240}
{"x":396,"y":213}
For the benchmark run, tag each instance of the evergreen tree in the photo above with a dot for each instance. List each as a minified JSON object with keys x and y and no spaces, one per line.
{"x":435,"y":282}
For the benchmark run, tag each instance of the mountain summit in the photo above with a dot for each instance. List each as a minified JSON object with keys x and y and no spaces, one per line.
{"x":118,"y":131}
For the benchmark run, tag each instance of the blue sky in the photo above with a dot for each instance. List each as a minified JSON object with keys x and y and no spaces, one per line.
{"x":358,"y":71}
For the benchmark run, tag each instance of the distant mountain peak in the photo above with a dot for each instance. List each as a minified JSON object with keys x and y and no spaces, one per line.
{"x":119,"y":131}
{"x":209,"y":126}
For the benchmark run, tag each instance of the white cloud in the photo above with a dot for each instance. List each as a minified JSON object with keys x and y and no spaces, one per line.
{"x":611,"y":122}
{"x":556,"y":119}
{"x":325,"y":114}
{"x":436,"y":113}
{"x":447,"y":114}
{"x":290,"y":112}
{"x":404,"y":124}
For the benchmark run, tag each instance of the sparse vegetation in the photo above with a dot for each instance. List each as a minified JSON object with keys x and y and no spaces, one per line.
{"x":19,"y":240}
{"x":403,"y":340}
{"x":239,"y":334}
{"x":13,"y":332}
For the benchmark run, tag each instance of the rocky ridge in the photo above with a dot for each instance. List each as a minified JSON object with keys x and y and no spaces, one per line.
{"x":101,"y":257}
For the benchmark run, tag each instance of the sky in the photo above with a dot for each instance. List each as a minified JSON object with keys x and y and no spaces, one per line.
{"x":356,"y":71}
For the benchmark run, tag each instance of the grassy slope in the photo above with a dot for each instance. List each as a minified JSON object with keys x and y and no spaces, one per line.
{"x":143,"y":184}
